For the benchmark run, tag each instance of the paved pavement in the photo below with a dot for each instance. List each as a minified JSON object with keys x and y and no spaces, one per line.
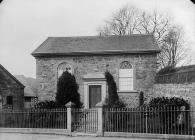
{"x":17,"y":136}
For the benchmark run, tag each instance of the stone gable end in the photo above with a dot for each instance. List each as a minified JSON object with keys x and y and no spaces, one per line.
{"x":9,"y":86}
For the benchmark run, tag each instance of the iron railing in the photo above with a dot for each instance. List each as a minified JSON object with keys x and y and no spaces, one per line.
{"x":36,"y":118}
{"x":85,"y":120}
{"x":179,"y":77}
{"x":162,"y":120}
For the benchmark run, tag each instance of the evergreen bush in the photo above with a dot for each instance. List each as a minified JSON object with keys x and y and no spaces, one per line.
{"x":166,"y":70}
{"x":170,"y":110}
{"x":169,"y":102}
{"x":112,"y":99}
{"x":67,"y":90}
{"x":46,"y":105}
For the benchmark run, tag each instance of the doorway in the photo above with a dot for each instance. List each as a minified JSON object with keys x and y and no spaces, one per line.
{"x":94,"y":95}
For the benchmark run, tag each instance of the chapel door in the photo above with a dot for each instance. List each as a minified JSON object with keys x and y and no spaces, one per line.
{"x":94,"y":95}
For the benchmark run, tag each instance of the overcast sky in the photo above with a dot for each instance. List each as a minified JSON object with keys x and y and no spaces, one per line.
{"x":25,"y":24}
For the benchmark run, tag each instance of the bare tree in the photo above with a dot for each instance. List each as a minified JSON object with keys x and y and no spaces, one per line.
{"x":173,"y":50}
{"x":155,"y":23}
{"x":123,"y":22}
{"x":130,"y":20}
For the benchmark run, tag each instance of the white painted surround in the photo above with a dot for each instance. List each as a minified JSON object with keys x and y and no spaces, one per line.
{"x":93,"y":79}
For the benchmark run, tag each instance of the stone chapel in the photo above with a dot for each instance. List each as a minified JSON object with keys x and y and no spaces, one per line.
{"x":132,"y":60}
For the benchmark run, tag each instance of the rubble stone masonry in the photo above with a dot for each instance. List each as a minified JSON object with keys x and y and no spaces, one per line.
{"x":186,"y":91}
{"x":144,"y":66}
{"x":9,"y":87}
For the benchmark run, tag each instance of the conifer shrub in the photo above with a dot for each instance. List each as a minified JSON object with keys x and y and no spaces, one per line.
{"x":141,"y":98}
{"x":113,"y":101}
{"x":67,"y":90}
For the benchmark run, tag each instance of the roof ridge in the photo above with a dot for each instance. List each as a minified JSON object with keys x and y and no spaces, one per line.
{"x":50,"y":37}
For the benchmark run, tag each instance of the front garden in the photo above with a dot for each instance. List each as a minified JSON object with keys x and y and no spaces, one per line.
{"x":160,"y":116}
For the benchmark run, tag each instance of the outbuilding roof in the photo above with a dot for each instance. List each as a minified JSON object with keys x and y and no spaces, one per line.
{"x":54,"y":46}
{"x":28,"y":92}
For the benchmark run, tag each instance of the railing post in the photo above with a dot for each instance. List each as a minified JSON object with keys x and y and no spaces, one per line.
{"x":146,"y":120}
{"x":100,"y":131}
{"x":69,"y":107}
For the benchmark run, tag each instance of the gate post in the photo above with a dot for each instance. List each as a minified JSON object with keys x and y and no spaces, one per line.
{"x":69,"y":107}
{"x":100,"y":131}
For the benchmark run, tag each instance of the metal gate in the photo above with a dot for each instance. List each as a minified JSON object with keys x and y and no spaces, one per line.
{"x":85,"y":120}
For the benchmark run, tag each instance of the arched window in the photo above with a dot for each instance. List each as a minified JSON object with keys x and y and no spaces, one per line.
{"x":125,"y":76}
{"x":64,"y":67}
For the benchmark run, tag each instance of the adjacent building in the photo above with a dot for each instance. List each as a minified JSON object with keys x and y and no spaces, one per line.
{"x":11,"y":91}
{"x":30,"y":90}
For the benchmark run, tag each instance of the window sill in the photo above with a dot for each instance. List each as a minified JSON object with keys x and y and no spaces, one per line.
{"x":127,"y":91}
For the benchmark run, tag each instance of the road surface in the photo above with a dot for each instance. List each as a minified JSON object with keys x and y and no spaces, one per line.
{"x":17,"y":136}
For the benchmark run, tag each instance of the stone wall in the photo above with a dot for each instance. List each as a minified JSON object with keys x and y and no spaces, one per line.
{"x":186,"y":91}
{"x":46,"y":73}
{"x":9,"y":87}
{"x":131,"y":100}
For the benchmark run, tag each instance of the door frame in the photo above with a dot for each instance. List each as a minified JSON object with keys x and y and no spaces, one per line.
{"x":86,"y":90}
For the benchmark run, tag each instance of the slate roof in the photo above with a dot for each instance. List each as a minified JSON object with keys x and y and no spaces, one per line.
{"x":55,"y":46}
{"x":28,"y":89}
{"x":5,"y":79}
{"x":28,"y":92}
